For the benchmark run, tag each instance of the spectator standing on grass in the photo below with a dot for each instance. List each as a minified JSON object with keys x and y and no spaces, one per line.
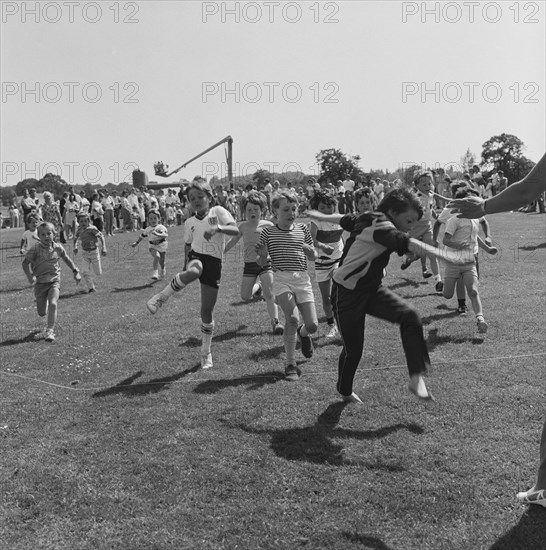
{"x":13,"y":214}
{"x":71,"y":209}
{"x":288,"y":245}
{"x":51,"y":212}
{"x":43,"y":270}
{"x":85,"y":205}
{"x":108,"y":204}
{"x":204,"y":235}
{"x":96,"y":212}
{"x":28,"y":204}
{"x":517,"y":195}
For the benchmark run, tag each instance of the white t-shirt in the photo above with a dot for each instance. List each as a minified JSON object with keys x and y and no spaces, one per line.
{"x":349,"y":185}
{"x":464,"y":231}
{"x":195,"y":228}
{"x":158,"y":241}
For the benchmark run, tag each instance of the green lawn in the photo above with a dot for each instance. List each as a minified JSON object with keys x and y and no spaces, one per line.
{"x":112,"y":437}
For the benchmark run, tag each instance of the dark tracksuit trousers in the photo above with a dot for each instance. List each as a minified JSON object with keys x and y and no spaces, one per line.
{"x":350,"y":309}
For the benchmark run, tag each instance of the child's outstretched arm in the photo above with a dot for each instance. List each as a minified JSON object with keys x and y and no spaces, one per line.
{"x":421,"y":249}
{"x":320,"y":217}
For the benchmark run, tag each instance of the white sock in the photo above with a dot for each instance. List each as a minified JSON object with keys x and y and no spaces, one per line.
{"x":206,"y":330}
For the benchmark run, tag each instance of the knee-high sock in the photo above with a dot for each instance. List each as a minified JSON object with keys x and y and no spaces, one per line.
{"x":206,"y":329}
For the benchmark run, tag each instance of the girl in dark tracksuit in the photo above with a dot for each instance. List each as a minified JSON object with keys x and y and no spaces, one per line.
{"x":357,"y":289}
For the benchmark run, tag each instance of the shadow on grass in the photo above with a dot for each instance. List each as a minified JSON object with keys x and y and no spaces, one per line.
{"x":315,"y":443}
{"x":8,"y":290}
{"x":433,"y":340}
{"x":529,"y":533}
{"x":14,"y":341}
{"x":429,"y":318}
{"x":270,"y":353}
{"x":127,"y":388}
{"x":81,"y":292}
{"x":193,"y":342}
{"x":373,"y":543}
{"x":407,"y":282}
{"x":533,"y":246}
{"x":131,"y":288}
{"x":412,"y":296}
{"x":254,"y":382}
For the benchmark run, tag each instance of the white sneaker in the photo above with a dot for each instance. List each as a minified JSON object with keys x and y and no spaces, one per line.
{"x":482,"y":325}
{"x":155,"y":275}
{"x":206,"y":361}
{"x":332,"y":331}
{"x":155,"y":302}
{"x":49,"y":335}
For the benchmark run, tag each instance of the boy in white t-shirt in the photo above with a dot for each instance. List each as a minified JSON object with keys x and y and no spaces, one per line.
{"x":462,"y":234}
{"x":204,"y":235}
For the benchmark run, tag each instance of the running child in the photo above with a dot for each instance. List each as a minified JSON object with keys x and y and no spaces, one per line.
{"x":158,"y":235}
{"x":43,"y":270}
{"x":424,"y":187}
{"x":257,"y":280}
{"x":329,"y":248}
{"x":90,"y":238}
{"x":204,"y":235}
{"x":357,"y":289}
{"x":461,"y":234}
{"x":288,"y":245}
{"x":441,"y":220}
{"x":30,"y":235}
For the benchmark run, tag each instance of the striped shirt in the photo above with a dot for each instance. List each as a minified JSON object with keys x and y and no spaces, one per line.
{"x":368,"y":249}
{"x":328,"y":233}
{"x":285,"y":246}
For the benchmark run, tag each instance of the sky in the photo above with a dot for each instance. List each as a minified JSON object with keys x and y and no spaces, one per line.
{"x":93,"y":90}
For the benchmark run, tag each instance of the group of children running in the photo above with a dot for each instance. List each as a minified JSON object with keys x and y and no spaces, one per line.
{"x":350,"y":253}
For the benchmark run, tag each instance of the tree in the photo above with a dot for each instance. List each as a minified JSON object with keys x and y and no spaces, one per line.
{"x":27,"y":183}
{"x":336,"y":165}
{"x":7,"y":195}
{"x":259,"y":177}
{"x":467,"y":161}
{"x":52,"y":183}
{"x":505,"y":152}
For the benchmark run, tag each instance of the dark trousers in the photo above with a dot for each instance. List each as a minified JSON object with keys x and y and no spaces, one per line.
{"x":350,"y":310}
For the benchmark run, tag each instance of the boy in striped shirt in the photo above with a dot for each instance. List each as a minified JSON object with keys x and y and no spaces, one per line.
{"x":289,"y":245}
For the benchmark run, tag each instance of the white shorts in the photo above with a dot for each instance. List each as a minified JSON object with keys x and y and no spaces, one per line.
{"x":297,"y":283}
{"x":325,"y":273}
{"x":455,"y":271}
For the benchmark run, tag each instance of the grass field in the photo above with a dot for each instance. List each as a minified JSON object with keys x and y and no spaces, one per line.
{"x":113,"y":438}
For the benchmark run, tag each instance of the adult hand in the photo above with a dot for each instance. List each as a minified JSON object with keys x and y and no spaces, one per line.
{"x":469,"y":207}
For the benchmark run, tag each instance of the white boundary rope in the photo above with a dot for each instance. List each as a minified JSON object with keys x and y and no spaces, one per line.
{"x":250,"y":376}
